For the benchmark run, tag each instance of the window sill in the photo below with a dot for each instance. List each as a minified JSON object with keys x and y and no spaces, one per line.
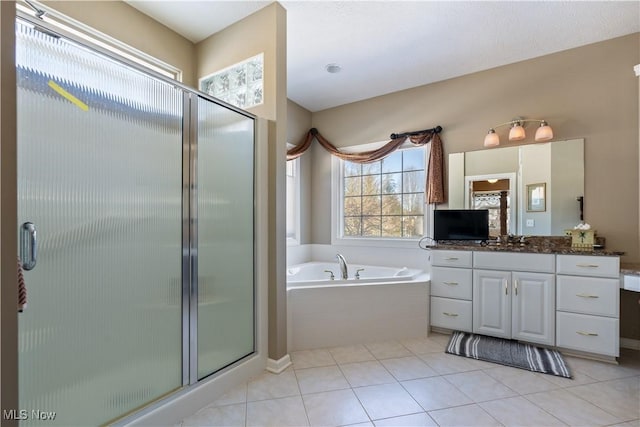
{"x":376,"y":242}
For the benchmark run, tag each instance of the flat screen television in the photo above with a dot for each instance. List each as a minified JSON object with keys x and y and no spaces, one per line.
{"x":461,"y":224}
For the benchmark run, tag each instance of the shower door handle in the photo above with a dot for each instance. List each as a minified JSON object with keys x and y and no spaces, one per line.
{"x":28,"y":246}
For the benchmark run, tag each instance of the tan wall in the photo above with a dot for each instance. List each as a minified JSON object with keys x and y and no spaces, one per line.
{"x":126,"y":24}
{"x":299,"y":123}
{"x":589,"y":92}
{"x":264,"y":31}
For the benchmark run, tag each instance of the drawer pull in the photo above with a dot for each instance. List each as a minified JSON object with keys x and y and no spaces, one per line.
{"x":587,"y":296}
{"x":587,"y":265}
{"x":450,"y":314}
{"x":587,"y":334}
{"x":451,"y":283}
{"x":452,"y":258}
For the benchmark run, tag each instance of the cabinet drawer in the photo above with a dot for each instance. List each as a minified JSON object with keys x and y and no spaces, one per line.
{"x":588,"y":295}
{"x":593,"y":334}
{"x":542,"y":263}
{"x":451,"y":282}
{"x":451,"y":314}
{"x":445,"y":258}
{"x":585,"y":265}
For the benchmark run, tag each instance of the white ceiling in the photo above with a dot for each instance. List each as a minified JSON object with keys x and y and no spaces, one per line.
{"x":386,"y":46}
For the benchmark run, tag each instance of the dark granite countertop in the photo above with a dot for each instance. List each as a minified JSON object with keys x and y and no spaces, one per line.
{"x":560,"y":245}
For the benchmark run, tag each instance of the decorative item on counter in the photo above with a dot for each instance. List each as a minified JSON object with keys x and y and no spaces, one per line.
{"x":583,"y":237}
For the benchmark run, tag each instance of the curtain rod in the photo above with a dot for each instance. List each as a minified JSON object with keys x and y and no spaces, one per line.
{"x":436,"y":129}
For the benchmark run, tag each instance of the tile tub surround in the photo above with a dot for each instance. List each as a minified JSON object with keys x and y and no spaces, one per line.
{"x":413,"y":382}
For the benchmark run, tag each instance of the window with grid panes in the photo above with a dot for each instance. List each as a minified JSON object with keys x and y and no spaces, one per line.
{"x":385,"y":198}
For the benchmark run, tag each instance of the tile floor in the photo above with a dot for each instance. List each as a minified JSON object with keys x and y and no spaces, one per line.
{"x":414,"y":383}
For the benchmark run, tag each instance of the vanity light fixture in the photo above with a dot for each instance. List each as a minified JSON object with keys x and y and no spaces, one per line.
{"x":517,"y":133}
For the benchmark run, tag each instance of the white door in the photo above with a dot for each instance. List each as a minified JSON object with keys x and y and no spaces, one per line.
{"x":492,"y":303}
{"x":533,"y":307}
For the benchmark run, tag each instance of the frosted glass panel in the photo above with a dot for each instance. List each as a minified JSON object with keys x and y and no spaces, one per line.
{"x":99,"y":173}
{"x":225,"y":237}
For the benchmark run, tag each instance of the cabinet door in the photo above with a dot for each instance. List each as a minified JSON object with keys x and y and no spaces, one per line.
{"x":533,"y":307}
{"x":492,"y":303}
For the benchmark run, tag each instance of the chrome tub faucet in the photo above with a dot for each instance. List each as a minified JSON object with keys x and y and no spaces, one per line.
{"x":343,"y":266}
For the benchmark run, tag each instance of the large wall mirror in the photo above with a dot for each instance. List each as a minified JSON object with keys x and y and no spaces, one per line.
{"x":532,"y":189}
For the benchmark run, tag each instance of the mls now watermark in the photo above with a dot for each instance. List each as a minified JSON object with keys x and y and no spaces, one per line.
{"x":23,"y":414}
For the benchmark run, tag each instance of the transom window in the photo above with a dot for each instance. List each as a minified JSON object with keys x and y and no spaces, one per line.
{"x":385,"y":198}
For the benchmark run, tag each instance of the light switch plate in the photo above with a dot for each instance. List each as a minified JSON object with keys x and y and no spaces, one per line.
{"x":530,"y":223}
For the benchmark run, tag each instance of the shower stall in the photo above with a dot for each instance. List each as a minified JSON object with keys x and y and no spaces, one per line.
{"x":137,"y":224}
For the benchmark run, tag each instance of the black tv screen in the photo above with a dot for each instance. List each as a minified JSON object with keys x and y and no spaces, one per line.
{"x":461,"y":224}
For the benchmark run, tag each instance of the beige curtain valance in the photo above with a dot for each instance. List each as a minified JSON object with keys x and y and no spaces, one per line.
{"x":435,"y":173}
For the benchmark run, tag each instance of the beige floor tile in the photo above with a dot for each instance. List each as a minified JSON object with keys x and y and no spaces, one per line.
{"x":518,"y":411}
{"x":388,"y":350}
{"x":351,"y":354}
{"x":314,"y":380}
{"x":386,"y":400}
{"x":414,"y":420}
{"x":311,"y":358}
{"x":271,"y":386}
{"x":288,"y":411}
{"x":230,"y":415}
{"x":467,"y":416}
{"x":444,"y":363}
{"x":603,"y":371}
{"x":408,"y":368}
{"x":233,"y":396}
{"x":366,"y":373}
{"x":571,"y":409}
{"x":479,"y":386}
{"x":577,"y":378}
{"x":618,"y":397}
{"x":423,"y":345}
{"x":366,"y":424}
{"x":435,"y":393}
{"x":521,"y":381}
{"x":634,"y":423}
{"x":334,"y":408}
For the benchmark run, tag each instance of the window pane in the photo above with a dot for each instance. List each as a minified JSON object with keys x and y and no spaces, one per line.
{"x":371,"y":205}
{"x":392,"y":205}
{"x":352,"y":226}
{"x":370,"y":184}
{"x":352,"y":206}
{"x":353,"y":186}
{"x":413,"y":160}
{"x":391,"y":183}
{"x":371,"y":226}
{"x":412,"y":226}
{"x":391,"y":226}
{"x":351,"y":169}
{"x":371,"y":168}
{"x":413,"y":204}
{"x":392,"y":163}
{"x":413,"y":182}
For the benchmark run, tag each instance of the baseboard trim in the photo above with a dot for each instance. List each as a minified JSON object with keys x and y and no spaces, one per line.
{"x":277,"y":366}
{"x":629,"y":343}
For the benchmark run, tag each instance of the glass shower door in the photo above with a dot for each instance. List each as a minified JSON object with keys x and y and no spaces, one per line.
{"x":225,"y":246}
{"x":100,"y":176}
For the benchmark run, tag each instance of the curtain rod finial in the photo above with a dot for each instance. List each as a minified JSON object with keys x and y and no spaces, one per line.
{"x":437,"y":129}
{"x":314,"y":131}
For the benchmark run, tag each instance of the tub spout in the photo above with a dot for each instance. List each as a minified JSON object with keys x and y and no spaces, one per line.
{"x":343,"y":266}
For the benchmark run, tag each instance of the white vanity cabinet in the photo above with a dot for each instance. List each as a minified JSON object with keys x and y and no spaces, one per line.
{"x":514,"y":304}
{"x":451,"y":293}
{"x":588,"y":301}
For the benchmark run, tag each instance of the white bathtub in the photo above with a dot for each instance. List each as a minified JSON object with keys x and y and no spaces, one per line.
{"x":384,"y":304}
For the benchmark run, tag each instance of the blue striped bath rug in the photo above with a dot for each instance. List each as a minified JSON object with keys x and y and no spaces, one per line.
{"x":508,"y":352}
